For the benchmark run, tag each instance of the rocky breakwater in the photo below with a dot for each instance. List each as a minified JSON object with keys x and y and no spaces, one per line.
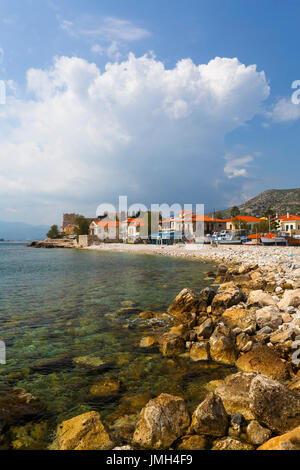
{"x":50,"y":243}
{"x":251,"y":321}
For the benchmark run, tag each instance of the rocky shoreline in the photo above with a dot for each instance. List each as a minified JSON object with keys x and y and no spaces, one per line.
{"x":250,"y":319}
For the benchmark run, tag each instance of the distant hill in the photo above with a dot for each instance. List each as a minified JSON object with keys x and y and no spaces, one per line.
{"x":279,"y":200}
{"x":19,"y":231}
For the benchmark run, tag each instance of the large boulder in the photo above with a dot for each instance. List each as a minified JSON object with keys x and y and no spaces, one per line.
{"x":259,"y":298}
{"x":210,"y":417}
{"x":84,"y":432}
{"x":171,"y":345}
{"x":239,"y":317}
{"x":264,"y":360}
{"x":186,"y":301}
{"x":268,"y":316}
{"x":222,"y":346}
{"x":163,"y":420}
{"x":226,"y":299}
{"x":291,"y":298}
{"x":234,"y":391}
{"x":288,"y":441}
{"x":274,"y":405}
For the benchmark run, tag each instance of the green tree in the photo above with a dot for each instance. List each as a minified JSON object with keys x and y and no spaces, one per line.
{"x":53,"y":232}
{"x":241,"y":226}
{"x":235,"y":211}
{"x":83,"y":226}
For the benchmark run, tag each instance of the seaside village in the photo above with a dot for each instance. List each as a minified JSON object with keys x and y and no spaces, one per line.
{"x":186,"y":227}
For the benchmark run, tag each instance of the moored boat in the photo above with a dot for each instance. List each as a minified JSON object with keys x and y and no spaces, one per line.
{"x":292,"y":241}
{"x":277,"y":241}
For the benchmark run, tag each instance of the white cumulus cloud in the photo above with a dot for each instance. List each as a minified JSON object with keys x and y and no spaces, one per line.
{"x":83,"y":136}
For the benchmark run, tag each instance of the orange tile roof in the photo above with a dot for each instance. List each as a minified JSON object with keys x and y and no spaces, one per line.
{"x":291,"y":217}
{"x":107,"y":223}
{"x":243,"y":218}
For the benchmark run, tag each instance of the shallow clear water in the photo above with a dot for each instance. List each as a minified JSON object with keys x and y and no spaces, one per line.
{"x":61,"y":304}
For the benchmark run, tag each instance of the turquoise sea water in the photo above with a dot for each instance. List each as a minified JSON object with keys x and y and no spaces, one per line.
{"x":57,"y":305}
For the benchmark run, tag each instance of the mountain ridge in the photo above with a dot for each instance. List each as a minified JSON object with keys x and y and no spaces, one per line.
{"x":280,"y":201}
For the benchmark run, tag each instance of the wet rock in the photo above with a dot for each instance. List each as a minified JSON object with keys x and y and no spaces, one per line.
{"x":222,"y":346}
{"x":192,"y":443}
{"x":147,"y":315}
{"x":234,"y":391}
{"x":257,"y":434}
{"x":222,"y":269}
{"x":206,"y":297}
{"x":84,"y":432}
{"x":229,"y":443}
{"x":17,"y":405}
{"x":274,"y":405}
{"x":32,"y":436}
{"x":226,"y":299}
{"x":123,"y":428}
{"x":237,"y":316}
{"x":288,"y":441}
{"x":291,"y":298}
{"x":199,"y":351}
{"x":264,"y":360}
{"x":259,"y":298}
{"x":268,"y":316}
{"x":205,"y":329}
{"x":106,"y":388}
{"x":186,"y":301}
{"x":93,"y":363}
{"x":125,"y":311}
{"x":171,"y":345}
{"x":148,"y":342}
{"x":210,"y":417}
{"x":162,"y":421}
{"x":180,"y":330}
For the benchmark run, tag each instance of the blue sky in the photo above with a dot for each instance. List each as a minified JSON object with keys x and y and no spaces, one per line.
{"x":209,"y":131}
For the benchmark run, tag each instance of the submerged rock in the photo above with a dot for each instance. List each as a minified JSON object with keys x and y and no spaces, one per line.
{"x":210,"y":417}
{"x":84,"y":432}
{"x":163,"y":420}
{"x":264,"y":360}
{"x":17,"y":405}
{"x":106,"y":388}
{"x":148,"y":342}
{"x":93,"y":362}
